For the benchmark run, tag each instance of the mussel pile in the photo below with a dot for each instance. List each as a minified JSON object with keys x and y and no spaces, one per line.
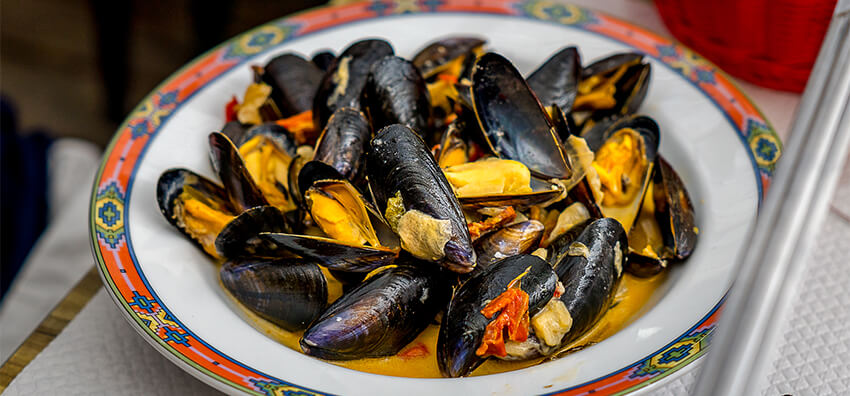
{"x":448,"y":189}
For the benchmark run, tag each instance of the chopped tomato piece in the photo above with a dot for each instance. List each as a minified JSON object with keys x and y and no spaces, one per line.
{"x":230,"y":110}
{"x":415,"y":351}
{"x":512,"y":306}
{"x":301,"y":126}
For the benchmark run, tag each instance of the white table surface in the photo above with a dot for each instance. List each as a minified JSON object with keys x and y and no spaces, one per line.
{"x":99,"y":353}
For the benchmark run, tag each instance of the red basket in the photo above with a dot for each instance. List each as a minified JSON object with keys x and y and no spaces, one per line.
{"x":772,"y":43}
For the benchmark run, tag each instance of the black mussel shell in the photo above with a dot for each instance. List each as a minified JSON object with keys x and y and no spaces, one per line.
{"x":582,"y":193}
{"x":556,"y":80}
{"x":517,"y":200}
{"x":399,"y":164}
{"x":644,"y":267}
{"x":348,"y":279}
{"x":327,"y":252}
{"x":395,"y":93}
{"x":463,"y":325}
{"x":563,"y":122}
{"x":343,"y":82}
{"x":313,"y":171}
{"x":513,"y":120}
{"x":557,"y":250}
{"x":289,"y":292}
{"x":293,"y":172}
{"x":234,"y":130}
{"x":323,"y":60}
{"x":511,"y":240}
{"x":431,"y":59}
{"x":244,"y":194}
{"x":674,"y":211}
{"x":239,"y":237}
{"x":590,"y":268}
{"x":379,"y":317}
{"x":276,"y":133}
{"x":294,"y":81}
{"x":343,"y":143}
{"x":631,"y":86}
{"x":171,"y":184}
{"x":610,"y":63}
{"x":646,"y":126}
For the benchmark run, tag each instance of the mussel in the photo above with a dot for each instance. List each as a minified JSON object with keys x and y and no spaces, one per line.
{"x":294,"y":81}
{"x":624,"y":165}
{"x":395,"y":93}
{"x":665,"y":228}
{"x":469,"y":333}
{"x":343,"y":143}
{"x":241,"y":189}
{"x":555,"y":82}
{"x":239,"y":237}
{"x":513,"y":120}
{"x":323,"y":60}
{"x":379,"y":317}
{"x":445,"y":54}
{"x":514,"y":239}
{"x":614,"y":85}
{"x":343,"y":82}
{"x":197,"y":206}
{"x":289,"y":292}
{"x":494,"y":182}
{"x":417,"y":201}
{"x":590,"y":269}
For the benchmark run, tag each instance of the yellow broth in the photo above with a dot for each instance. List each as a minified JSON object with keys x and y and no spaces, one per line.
{"x":418,"y":359}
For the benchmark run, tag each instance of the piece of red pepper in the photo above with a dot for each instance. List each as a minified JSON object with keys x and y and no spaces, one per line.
{"x":513,"y":317}
{"x":230,"y":110}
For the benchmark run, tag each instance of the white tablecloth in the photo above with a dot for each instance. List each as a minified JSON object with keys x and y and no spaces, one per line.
{"x":99,"y":353}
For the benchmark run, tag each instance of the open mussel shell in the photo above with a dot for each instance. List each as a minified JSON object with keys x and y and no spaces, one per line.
{"x":452,"y":149}
{"x":241,"y":189}
{"x":630,"y":78}
{"x":610,"y":64}
{"x":514,"y":122}
{"x":274,"y":132}
{"x":170,"y":190}
{"x":674,"y":211}
{"x":412,"y":193}
{"x":343,"y":143}
{"x":339,"y":209}
{"x":647,"y":137}
{"x":289,"y":292}
{"x":439,"y":55}
{"x":542,"y":194}
{"x":239,"y":237}
{"x":511,"y":240}
{"x":555,"y":82}
{"x":313,"y":171}
{"x":323,"y":60}
{"x":294,"y":81}
{"x":462,"y":327}
{"x":590,"y":269}
{"x":327,"y":252}
{"x":395,"y":93}
{"x":343,"y":82}
{"x":379,"y":317}
{"x":602,"y":131}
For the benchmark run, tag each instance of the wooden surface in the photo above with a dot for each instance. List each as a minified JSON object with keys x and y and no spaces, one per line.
{"x":50,"y":327}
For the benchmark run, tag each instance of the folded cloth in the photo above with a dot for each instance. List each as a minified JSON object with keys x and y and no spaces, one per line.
{"x":62,"y":255}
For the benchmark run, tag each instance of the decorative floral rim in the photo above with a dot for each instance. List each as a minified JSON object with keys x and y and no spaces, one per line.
{"x":130,"y":289}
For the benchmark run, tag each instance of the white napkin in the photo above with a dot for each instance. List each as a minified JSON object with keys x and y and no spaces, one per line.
{"x":99,"y":354}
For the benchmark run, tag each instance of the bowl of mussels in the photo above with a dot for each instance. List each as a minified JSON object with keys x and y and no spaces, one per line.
{"x":371,"y":213}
